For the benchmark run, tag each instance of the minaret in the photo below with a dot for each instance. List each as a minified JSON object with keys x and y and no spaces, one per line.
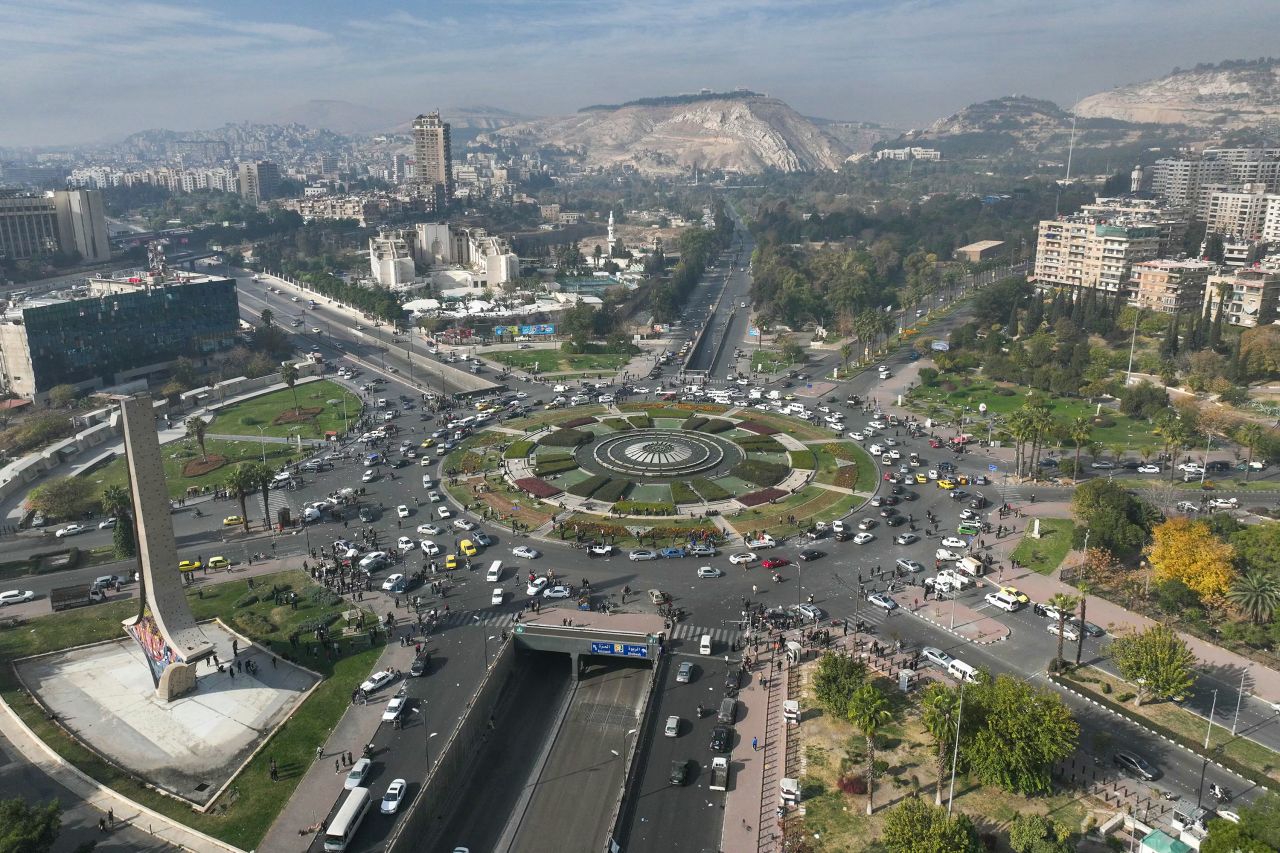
{"x":610,"y":240}
{"x":1135,"y":179}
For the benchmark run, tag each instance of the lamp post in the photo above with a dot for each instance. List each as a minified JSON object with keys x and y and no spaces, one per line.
{"x":955,"y":755}
{"x":1204,"y":764}
{"x":262,"y":438}
{"x":1239,"y":700}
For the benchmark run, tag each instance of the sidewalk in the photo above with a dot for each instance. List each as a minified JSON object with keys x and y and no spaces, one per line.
{"x":744,"y":805}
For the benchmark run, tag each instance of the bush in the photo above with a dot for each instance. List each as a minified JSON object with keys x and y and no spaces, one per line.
{"x":759,"y":444}
{"x":576,"y":422}
{"x":1104,"y":422}
{"x":585,"y":488}
{"x":308,"y":629}
{"x":852,"y":785}
{"x":1002,"y":391}
{"x":518,"y":449}
{"x":247,"y":599}
{"x":612,"y":490}
{"x":760,"y":473}
{"x":565,"y":438}
{"x":803,"y":459}
{"x":683,"y":493}
{"x":694,"y":423}
{"x":322,"y":596}
{"x":617,"y":424}
{"x":1124,"y":697}
{"x":716,"y":425}
{"x":640,"y":421}
{"x":710,"y":490}
{"x":554,"y":466}
{"x":1106,"y":687}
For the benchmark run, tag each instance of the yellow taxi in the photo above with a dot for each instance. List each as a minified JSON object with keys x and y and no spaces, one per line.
{"x":921,"y":478}
{"x":1014,"y":592}
{"x":946,"y":484}
{"x":468,"y":548}
{"x":189,"y":565}
{"x":429,"y":442}
{"x":232,"y":519}
{"x":451,"y":561}
{"x":219,"y":563}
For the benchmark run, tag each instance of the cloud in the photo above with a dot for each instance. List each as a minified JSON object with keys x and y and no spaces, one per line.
{"x":76,"y":69}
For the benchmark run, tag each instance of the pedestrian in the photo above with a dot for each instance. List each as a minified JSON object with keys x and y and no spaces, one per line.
{"x":336,"y":768}
{"x":755,"y":744}
{"x":111,"y":817}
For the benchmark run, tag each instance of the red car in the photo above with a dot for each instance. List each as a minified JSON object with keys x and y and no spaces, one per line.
{"x":933,"y":442}
{"x":775,"y":563}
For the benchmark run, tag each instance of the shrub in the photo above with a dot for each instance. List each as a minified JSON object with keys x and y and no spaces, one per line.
{"x":617,"y":424}
{"x":855,"y":785}
{"x":716,"y":425}
{"x":683,"y":493}
{"x":759,"y":444}
{"x":640,"y":421}
{"x":1002,"y":391}
{"x":576,"y":422}
{"x":308,"y":629}
{"x":803,"y":459}
{"x":1104,"y":422}
{"x":585,"y":488}
{"x":760,"y":473}
{"x":694,"y":423}
{"x":710,"y":490}
{"x":247,"y":599}
{"x":948,"y":386}
{"x":323,"y":596}
{"x":1124,"y":697}
{"x":518,"y":449}
{"x":565,"y":438}
{"x":1106,"y":687}
{"x":554,"y":466}
{"x":611,"y":490}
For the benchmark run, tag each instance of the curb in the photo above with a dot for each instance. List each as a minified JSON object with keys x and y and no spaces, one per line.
{"x":939,"y":625}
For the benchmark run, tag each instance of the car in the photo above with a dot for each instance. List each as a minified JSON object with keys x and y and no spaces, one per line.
{"x":909,"y":565}
{"x":742,"y":559}
{"x":642,"y":554}
{"x":368,"y":514}
{"x":876,"y":500}
{"x":679,"y":774}
{"x":702,"y":551}
{"x":463,"y":524}
{"x":394,"y":709}
{"x":429,"y":548}
{"x":879,"y":599}
{"x":954,"y":542}
{"x":536,"y":586}
{"x":685,"y":673}
{"x":946,"y":484}
{"x":867,"y":523}
{"x":450,"y":562}
{"x":1090,"y":629}
{"x":863,"y":537}
{"x":895,"y":521}
{"x":391,"y":799}
{"x":107,"y":524}
{"x":402,"y":511}
{"x":557,"y":591}
{"x":721,"y":738}
{"x":482,"y":539}
{"x":430,"y":529}
{"x":1014,"y":592}
{"x":1224,"y":503}
{"x":218,"y":563}
{"x":368,"y":476}
{"x":1135,"y":765}
{"x":377,"y":681}
{"x":1227,"y":815}
{"x":1048,"y":611}
{"x":1005,"y":602}
{"x":1148,"y":469}
{"x":393,"y":583}
{"x":524,"y":552}
{"x":936,"y":656}
{"x":1186,"y":506}
{"x":357,"y":773}
{"x":70,"y":530}
{"x":1191,"y":468}
{"x":709,"y":572}
{"x":889,"y":512}
{"x":1102,"y":465}
{"x":468,"y":548}
{"x":944,"y":554}
{"x":443,"y":512}
{"x":189,"y":565}
{"x":891,"y":500}
{"x":969,"y":515}
{"x":808,"y":611}
{"x":404,"y":543}
{"x":921,"y":479}
{"x":16,"y":596}
{"x":809,"y":555}
{"x":774,"y":563}
{"x":672,"y":728}
{"x":1068,"y":631}
{"x":933,"y":474}
{"x":666,"y":553}
{"x":906,"y":539}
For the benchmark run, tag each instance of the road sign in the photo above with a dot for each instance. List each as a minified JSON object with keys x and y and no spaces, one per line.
{"x":993,"y":468}
{"x":625,"y":650}
{"x":755,"y":333}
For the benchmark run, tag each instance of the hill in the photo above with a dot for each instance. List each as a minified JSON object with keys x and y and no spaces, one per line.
{"x":1229,"y":96}
{"x":342,"y":117}
{"x":736,"y":131}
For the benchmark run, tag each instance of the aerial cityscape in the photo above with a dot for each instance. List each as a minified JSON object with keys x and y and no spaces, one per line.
{"x":820,"y":428}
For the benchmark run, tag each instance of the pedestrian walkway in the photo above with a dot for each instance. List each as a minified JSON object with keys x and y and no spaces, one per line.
{"x":720,"y":637}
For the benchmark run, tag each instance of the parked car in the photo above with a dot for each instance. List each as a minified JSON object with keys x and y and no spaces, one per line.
{"x":1135,"y":765}
{"x":392,"y":798}
{"x":642,"y":554}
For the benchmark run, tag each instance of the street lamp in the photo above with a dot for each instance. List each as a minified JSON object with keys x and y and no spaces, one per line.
{"x":955,"y":755}
{"x":262,"y":438}
{"x":1204,"y":764}
{"x":1239,"y":698}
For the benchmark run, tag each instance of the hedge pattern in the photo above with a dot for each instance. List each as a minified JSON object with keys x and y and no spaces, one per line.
{"x":576,"y":422}
{"x":715,"y":425}
{"x":617,"y":424}
{"x":555,"y":466}
{"x":757,"y":427}
{"x":612,"y":490}
{"x":518,"y":449}
{"x":585,"y":488}
{"x":760,"y":444}
{"x":683,"y":493}
{"x":761,"y":497}
{"x":644,"y":508}
{"x":640,"y":421}
{"x":760,"y":473}
{"x":710,"y":490}
{"x":803,"y":459}
{"x":538,"y":488}
{"x":565,"y":438}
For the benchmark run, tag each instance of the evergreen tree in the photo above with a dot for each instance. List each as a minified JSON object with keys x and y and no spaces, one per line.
{"x":1013,"y":319}
{"x":1077,"y":308}
{"x":1215,"y":331}
{"x":1169,"y":347}
{"x":1035,"y":312}
{"x":1235,"y":367}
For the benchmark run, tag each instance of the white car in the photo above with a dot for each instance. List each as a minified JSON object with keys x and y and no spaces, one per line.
{"x":672,"y":728}
{"x":536,"y":586}
{"x":906,"y":539}
{"x":1224,"y":503}
{"x":936,"y":656}
{"x":16,"y":596}
{"x":1187,"y":506}
{"x":944,"y":554}
{"x":557,"y":591}
{"x":444,"y":512}
{"x":497,"y":596}
{"x":893,"y":454}
{"x":71,"y":530}
{"x":525,"y":552}
{"x":430,"y":529}
{"x":879,"y":599}
{"x":856,"y":436}
{"x":1191,"y":468}
{"x":434,"y":497}
{"x":1068,"y":632}
{"x":876,"y":424}
{"x":429,"y":548}
{"x":393,"y":583}
{"x":377,"y":681}
{"x":368,"y":476}
{"x":933,"y":474}
{"x":1148,"y":469}
{"x":875,"y":450}
{"x":107,"y":524}
{"x":954,"y":542}
{"x":394,"y":709}
{"x":863,"y":538}
{"x":391,"y":799}
{"x":404,"y":543}
{"x":463,"y":524}
{"x":808,"y":611}
{"x":742,"y":559}
{"x":890,"y":442}
{"x":709,"y":572}
{"x":402,"y":511}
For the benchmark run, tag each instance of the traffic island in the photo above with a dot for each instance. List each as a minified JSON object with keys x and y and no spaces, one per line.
{"x":953,"y":617}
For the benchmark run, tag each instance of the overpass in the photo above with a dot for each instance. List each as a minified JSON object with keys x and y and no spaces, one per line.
{"x":591,"y":635}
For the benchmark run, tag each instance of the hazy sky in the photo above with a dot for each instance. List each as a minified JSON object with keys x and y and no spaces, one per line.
{"x":76,"y":70}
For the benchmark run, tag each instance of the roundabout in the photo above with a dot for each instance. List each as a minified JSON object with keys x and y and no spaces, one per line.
{"x":660,"y":453}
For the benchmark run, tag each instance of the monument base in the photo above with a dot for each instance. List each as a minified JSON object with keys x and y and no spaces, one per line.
{"x":178,"y":679}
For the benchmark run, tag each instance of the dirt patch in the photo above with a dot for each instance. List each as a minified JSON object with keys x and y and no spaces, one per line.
{"x":200,"y":467}
{"x":302,"y":415}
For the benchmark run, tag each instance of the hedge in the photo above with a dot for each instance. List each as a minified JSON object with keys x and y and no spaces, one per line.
{"x":715,"y":425}
{"x":760,"y":473}
{"x":565,"y":438}
{"x":694,"y":423}
{"x":554,"y":466}
{"x":586,"y":487}
{"x":760,"y":444}
{"x":683,"y":493}
{"x":518,"y":449}
{"x":617,"y":424}
{"x":710,"y":490}
{"x":644,"y":508}
{"x":576,"y":422}
{"x":246,"y":600}
{"x":308,"y":629}
{"x":640,"y":421}
{"x":612,"y":490}
{"x":803,"y":459}
{"x":763,"y":496}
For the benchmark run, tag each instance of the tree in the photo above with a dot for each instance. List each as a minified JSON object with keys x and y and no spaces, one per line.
{"x":117,"y":504}
{"x":242,"y":482}
{"x":869,"y":712}
{"x":914,"y":826}
{"x":792,"y":351}
{"x":1080,"y":430}
{"x":940,"y":706}
{"x":65,"y":497}
{"x":1250,"y":434}
{"x":1227,"y":837}
{"x":1064,"y":604}
{"x":1020,"y":732}
{"x":197,"y":429}
{"x":1033,"y":833}
{"x":1157,"y":661}
{"x":1117,"y":519}
{"x":289,"y":374}
{"x":62,"y":396}
{"x":262,"y":475}
{"x":1261,"y":819}
{"x":28,"y":829}
{"x":1186,"y":550}
{"x":1256,"y":594}
{"x":1258,"y":547}
{"x":268,"y":317}
{"x":835,"y":682}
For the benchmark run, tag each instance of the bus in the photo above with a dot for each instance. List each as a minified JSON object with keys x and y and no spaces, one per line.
{"x":346,"y":823}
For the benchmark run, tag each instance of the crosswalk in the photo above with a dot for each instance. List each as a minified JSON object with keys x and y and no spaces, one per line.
{"x":720,"y":637}
{"x":499,"y":619}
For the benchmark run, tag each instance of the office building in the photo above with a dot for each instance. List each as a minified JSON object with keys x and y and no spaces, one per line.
{"x":1250,"y":295}
{"x":433,"y":164}
{"x":120,"y":329}
{"x":391,"y":259}
{"x":1170,"y":286}
{"x":33,"y":225}
{"x":259,"y":181}
{"x":1081,"y":251}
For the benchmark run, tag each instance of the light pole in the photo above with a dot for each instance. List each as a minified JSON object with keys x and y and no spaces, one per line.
{"x":1204,"y":764}
{"x":262,"y":438}
{"x":1239,"y":699}
{"x":955,"y":755}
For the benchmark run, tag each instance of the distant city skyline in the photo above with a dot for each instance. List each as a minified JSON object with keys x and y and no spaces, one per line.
{"x":80,"y":71}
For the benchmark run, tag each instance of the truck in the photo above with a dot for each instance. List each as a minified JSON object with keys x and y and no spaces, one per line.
{"x":67,"y":597}
{"x":719,"y":773}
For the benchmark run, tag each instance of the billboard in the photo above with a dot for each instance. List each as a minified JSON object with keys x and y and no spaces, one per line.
{"x":621,"y":649}
{"x":539,"y":329}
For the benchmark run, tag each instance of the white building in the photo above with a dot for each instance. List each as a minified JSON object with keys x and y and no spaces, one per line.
{"x":1240,"y":213}
{"x":391,"y":260}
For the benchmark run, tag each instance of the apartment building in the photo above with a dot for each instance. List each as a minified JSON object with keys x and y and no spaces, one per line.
{"x":259,"y":181}
{"x":1170,"y":286}
{"x":1080,"y":251}
{"x":37,"y":224}
{"x":1189,"y":181}
{"x":433,"y":159}
{"x":1172,"y":221}
{"x":1250,"y":295}
{"x":1240,"y":213}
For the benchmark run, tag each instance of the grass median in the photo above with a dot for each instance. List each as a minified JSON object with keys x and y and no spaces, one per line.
{"x":1045,"y":554}
{"x":281,"y":415}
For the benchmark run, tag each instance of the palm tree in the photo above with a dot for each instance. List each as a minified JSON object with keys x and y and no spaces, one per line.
{"x":846,"y":353}
{"x":1117,"y":450}
{"x":268,"y":316}
{"x":1085,"y":589}
{"x":1250,"y":435}
{"x":242,"y":481}
{"x":289,"y":373}
{"x":1021,"y":428}
{"x":939,"y":707}
{"x":1064,"y":604}
{"x":1079,"y":431}
{"x":869,"y":711}
{"x":262,"y":475}
{"x":1256,"y":594}
{"x":196,"y":428}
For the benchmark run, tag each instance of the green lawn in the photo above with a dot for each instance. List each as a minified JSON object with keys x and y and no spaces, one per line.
{"x":556,"y":361}
{"x":807,"y":505}
{"x":1045,"y":554}
{"x":177,"y":454}
{"x":245,"y":820}
{"x":245,"y":417}
{"x":768,"y":361}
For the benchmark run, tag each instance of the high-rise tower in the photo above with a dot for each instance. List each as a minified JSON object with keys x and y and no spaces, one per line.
{"x":433,"y":164}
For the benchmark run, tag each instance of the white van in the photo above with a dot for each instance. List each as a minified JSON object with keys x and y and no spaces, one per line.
{"x":495,"y":572}
{"x":972,"y":566}
{"x":1002,"y":600}
{"x":427,"y":482}
{"x":704,"y":646}
{"x":961,"y":671}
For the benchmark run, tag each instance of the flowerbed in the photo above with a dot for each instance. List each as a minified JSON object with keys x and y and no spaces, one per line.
{"x":538,"y":488}
{"x":763,"y":496}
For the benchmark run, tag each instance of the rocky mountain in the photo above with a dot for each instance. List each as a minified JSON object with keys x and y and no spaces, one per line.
{"x":342,"y":117}
{"x":1229,"y":96}
{"x":737,"y":131}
